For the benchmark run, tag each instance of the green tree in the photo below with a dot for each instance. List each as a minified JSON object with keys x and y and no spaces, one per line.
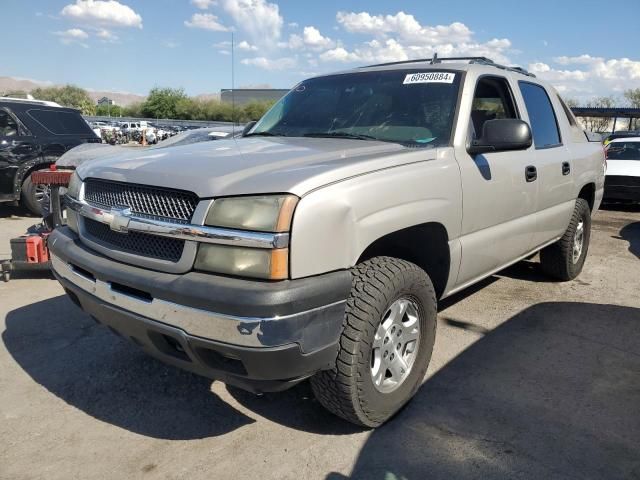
{"x":162,"y":102}
{"x":112,"y":110}
{"x":67,"y":96}
{"x":599,"y":124}
{"x":132,"y":110}
{"x":255,"y":110}
{"x":633,"y":97}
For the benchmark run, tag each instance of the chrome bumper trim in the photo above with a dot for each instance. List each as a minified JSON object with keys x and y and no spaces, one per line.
{"x":120,"y":220}
{"x":242,"y":331}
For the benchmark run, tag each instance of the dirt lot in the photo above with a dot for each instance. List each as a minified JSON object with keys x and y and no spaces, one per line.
{"x":530,"y":379}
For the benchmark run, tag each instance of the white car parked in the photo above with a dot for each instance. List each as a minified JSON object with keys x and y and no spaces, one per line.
{"x":622,"y":181}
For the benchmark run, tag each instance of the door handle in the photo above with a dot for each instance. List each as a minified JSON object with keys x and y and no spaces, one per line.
{"x":566,"y":168}
{"x":531,"y":173}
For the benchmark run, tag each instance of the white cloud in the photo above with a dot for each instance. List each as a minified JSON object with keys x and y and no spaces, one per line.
{"x":293,"y":25}
{"x":203,"y":4}
{"x":283,"y":63}
{"x":405,"y":26}
{"x":595,"y":76}
{"x":224,"y":52}
{"x":206,"y":21}
{"x":314,"y":39}
{"x":246,"y":46}
{"x":260,"y":20}
{"x":103,"y":12}
{"x":73,"y":35}
{"x":225,"y":44}
{"x":579,"y":60}
{"x":107,"y":35}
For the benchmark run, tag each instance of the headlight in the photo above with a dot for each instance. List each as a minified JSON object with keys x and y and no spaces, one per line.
{"x":73,"y":190}
{"x":244,"y":262}
{"x":263,"y":213}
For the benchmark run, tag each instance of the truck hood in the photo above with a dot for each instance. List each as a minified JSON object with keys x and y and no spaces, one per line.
{"x":253,"y":165}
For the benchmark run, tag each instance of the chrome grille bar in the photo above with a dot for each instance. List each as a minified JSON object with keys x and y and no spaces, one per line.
{"x":199,"y":233}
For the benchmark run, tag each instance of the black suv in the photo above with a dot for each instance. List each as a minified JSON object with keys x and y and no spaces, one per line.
{"x":33,"y":134}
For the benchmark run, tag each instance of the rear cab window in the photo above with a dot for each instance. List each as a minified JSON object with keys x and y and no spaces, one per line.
{"x":60,"y":122}
{"x":542,"y":116}
{"x":623,"y":151}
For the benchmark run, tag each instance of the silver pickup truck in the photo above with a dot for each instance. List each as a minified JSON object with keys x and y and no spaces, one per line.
{"x":318,"y":244}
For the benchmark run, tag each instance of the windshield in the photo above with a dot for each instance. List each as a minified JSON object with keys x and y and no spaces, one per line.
{"x":405,"y":106}
{"x":624,"y":151}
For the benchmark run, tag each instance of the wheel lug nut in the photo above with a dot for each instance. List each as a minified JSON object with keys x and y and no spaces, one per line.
{"x":393,"y":329}
{"x":386,"y":339}
{"x":385,"y":354}
{"x":392,"y":356}
{"x":399,"y":346}
{"x":399,"y":332}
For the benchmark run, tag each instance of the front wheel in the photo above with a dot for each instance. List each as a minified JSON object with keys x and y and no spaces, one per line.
{"x":565,"y":258}
{"x":386,"y":343}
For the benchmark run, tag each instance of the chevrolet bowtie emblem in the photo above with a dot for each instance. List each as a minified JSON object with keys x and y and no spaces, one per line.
{"x":120,"y":217}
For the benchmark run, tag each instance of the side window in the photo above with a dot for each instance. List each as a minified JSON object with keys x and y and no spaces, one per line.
{"x":491,"y":100}
{"x":8,"y":126}
{"x":544,"y":124}
{"x":60,"y":122}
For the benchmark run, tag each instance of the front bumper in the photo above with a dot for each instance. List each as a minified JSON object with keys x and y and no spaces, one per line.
{"x":618,"y":187}
{"x":261,"y":336}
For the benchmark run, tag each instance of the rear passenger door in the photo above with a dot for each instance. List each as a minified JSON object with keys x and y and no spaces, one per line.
{"x":499,"y":203}
{"x":552,"y":161}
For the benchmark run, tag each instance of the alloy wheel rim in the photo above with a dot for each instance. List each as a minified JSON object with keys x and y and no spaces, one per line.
{"x":578,"y":242}
{"x":395,"y":345}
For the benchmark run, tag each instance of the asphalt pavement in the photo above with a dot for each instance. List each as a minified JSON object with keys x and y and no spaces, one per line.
{"x":530,"y":378}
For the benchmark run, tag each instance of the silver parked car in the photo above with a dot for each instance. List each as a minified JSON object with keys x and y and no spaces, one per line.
{"x":318,"y":244}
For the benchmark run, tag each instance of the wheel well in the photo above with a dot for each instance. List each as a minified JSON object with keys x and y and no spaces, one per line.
{"x":21,"y":175}
{"x":588,"y":193}
{"x":426,"y":245}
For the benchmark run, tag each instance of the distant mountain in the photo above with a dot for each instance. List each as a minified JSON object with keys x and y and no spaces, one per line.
{"x":13,"y":84}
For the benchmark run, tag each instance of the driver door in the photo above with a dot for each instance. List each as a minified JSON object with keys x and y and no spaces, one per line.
{"x":499,"y":198}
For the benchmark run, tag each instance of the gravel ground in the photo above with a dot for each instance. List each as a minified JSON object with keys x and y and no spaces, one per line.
{"x":529,"y":379}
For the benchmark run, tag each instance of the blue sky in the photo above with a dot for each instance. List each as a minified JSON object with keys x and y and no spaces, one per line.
{"x":583,"y":47}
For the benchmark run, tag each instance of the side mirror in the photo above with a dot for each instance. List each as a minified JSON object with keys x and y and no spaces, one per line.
{"x":247,"y":128}
{"x":502,"y":135}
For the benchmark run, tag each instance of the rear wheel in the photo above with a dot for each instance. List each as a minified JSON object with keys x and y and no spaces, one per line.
{"x":386,"y":343}
{"x":565,"y":258}
{"x":32,"y":196}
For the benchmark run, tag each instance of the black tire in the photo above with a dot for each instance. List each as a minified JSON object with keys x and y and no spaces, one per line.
{"x":348,"y":390}
{"x":28,"y":197}
{"x":557,"y":260}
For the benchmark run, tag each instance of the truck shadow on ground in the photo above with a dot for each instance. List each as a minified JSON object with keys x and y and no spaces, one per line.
{"x":108,"y":378}
{"x":105,"y":376}
{"x":554,"y":392}
{"x":631,"y":233}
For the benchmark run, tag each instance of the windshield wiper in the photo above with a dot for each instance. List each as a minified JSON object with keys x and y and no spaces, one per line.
{"x":356,"y":136}
{"x":263,"y":134}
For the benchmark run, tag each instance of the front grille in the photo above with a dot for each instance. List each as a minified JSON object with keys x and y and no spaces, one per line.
{"x":136,"y":243}
{"x":150,"y":202}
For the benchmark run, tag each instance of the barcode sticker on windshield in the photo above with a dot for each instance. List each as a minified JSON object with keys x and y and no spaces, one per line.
{"x":429,"y":77}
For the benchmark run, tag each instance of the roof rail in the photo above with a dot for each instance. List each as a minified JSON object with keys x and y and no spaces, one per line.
{"x":31,"y":101}
{"x":476,"y":60}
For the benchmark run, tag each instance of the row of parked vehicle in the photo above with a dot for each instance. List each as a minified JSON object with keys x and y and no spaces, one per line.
{"x":118,"y":132}
{"x":35,"y":134}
